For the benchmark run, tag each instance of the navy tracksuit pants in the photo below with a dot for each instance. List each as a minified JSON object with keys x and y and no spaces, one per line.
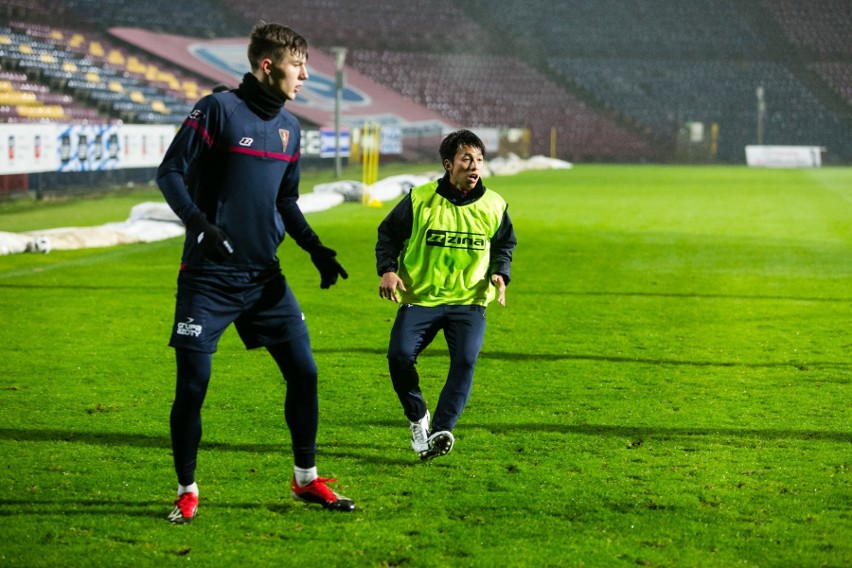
{"x":413,"y":330}
{"x":301,"y":408}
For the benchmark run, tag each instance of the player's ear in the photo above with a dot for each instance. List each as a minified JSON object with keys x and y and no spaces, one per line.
{"x":448,"y":165}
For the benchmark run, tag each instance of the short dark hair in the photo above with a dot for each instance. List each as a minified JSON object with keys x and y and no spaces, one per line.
{"x":273,"y":41}
{"x":455,"y":140}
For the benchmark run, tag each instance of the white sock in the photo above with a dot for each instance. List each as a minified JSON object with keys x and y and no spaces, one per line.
{"x":193,"y":488}
{"x":305,"y":475}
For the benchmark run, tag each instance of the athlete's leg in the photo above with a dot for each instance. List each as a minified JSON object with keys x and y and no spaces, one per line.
{"x":301,"y":402}
{"x":193,"y":377}
{"x":413,"y":330}
{"x":465,"y":332}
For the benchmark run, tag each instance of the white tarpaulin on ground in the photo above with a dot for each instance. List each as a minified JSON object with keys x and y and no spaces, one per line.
{"x":512,"y":164}
{"x":150,"y":221}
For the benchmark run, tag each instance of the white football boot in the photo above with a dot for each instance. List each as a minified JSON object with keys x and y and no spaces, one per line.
{"x":420,"y":435}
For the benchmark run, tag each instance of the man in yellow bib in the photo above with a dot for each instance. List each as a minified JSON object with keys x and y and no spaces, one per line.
{"x":444,"y":253}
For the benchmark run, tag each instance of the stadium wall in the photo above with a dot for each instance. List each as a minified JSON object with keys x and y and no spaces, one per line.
{"x":37,"y":156}
{"x":53,"y":157}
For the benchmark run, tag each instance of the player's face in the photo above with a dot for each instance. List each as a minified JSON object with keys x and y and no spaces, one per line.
{"x":285,"y":78}
{"x":466,"y":167}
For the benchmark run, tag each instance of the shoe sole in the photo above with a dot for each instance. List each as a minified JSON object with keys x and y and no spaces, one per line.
{"x":342,"y":503}
{"x":439,"y":445}
{"x":177,"y":518}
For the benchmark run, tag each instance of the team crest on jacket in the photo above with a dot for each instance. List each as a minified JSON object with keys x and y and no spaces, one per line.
{"x":285,"y":137}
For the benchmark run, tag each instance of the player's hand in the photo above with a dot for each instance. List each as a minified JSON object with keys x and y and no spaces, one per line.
{"x":325,"y":259}
{"x":211,"y":239}
{"x":389,"y":285}
{"x":497,"y":280}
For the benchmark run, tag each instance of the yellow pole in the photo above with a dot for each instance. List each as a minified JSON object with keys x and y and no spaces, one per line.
{"x":365,"y":159}
{"x":355,"y":146}
{"x":553,"y":142}
{"x":377,"y":140}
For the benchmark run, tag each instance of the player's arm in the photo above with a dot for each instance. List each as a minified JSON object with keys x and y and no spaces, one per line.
{"x":191,"y":139}
{"x":500,"y":266}
{"x":194,"y":136}
{"x":294,"y":220}
{"x":324,"y":258}
{"x":394,"y":230}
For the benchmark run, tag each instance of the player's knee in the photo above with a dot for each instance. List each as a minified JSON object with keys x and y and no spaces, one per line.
{"x":189,"y":396}
{"x":464,"y":361}
{"x":400,"y":361}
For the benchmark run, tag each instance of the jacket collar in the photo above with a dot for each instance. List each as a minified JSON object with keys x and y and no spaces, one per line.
{"x":455,"y":195}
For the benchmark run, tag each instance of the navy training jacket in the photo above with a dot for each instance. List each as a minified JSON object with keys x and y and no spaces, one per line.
{"x":242,"y":172}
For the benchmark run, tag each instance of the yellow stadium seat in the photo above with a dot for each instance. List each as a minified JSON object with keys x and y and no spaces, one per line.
{"x":18,"y":98}
{"x":41,"y":111}
{"x":116,"y":58}
{"x":135,"y":66}
{"x":115,"y":87}
{"x":96,"y":49}
{"x":189,"y":86}
{"x":137,"y":97}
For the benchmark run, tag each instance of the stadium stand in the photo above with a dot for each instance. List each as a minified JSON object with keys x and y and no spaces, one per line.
{"x":823,"y":28}
{"x":667,"y":63}
{"x":198,"y":18}
{"x":617,"y":82}
{"x":25,"y":100}
{"x":461,"y":87}
{"x":470,"y":77}
{"x":98,"y":74}
{"x":823,"y":32}
{"x":611,"y":28}
{"x":416,"y":25}
{"x":839,"y":76}
{"x":665,"y":94}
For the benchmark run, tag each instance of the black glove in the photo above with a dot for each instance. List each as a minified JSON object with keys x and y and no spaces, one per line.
{"x":329,"y":269}
{"x":212,"y":240}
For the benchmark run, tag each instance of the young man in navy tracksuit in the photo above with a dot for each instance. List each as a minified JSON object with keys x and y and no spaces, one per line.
{"x":232,"y":175}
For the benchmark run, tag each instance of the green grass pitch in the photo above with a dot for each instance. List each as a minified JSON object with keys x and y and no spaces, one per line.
{"x":668,"y":385}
